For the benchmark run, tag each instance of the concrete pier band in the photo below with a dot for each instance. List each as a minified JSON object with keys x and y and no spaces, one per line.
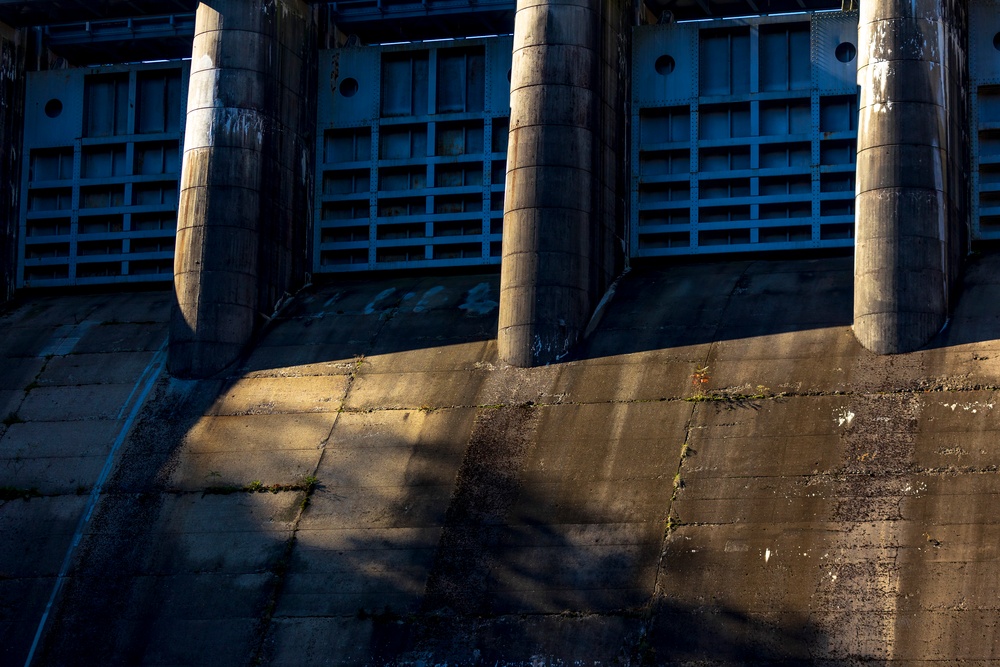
{"x":281,"y":139}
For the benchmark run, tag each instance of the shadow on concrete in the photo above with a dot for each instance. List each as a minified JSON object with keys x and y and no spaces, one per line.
{"x":975,"y":316}
{"x":698,"y":303}
{"x":342,"y":321}
{"x":673,"y":305}
{"x":458,"y":559}
{"x":684,"y":303}
{"x":99,"y":616}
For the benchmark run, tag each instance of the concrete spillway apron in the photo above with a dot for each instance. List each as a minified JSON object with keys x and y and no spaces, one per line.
{"x":127,"y":416}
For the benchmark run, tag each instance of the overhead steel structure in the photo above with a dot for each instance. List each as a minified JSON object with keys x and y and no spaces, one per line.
{"x":558,"y":140}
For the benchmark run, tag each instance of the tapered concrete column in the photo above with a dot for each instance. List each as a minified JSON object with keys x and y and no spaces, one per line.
{"x":244,"y":187}
{"x":566,"y":187}
{"x":12,"y":79}
{"x":912,"y":192}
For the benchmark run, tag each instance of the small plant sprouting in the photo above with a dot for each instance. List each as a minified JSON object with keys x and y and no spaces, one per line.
{"x":678,"y":485}
{"x":700,"y":376}
{"x":359,"y":360}
{"x":730,"y":396}
{"x":309,"y":483}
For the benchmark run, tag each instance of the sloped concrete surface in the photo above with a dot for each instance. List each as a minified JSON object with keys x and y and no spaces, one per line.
{"x":70,"y":368}
{"x":721,"y":475}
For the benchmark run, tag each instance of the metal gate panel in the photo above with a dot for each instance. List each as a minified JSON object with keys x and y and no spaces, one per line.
{"x":984,"y":73}
{"x":101,"y":178}
{"x":744,"y":135}
{"x":411,"y":155}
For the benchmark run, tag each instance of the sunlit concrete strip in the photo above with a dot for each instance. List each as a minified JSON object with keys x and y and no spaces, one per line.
{"x":133,"y":404}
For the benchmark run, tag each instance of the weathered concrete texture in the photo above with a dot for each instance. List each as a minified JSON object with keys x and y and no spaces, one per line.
{"x":912,"y":176}
{"x":241,"y":234}
{"x":12,"y":79}
{"x":721,"y":475}
{"x":69,"y":369}
{"x":564,"y":207}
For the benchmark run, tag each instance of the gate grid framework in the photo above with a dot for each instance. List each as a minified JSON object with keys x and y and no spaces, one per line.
{"x":743,"y":138}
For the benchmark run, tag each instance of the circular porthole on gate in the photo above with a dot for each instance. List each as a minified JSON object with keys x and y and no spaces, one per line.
{"x":846,"y":52}
{"x":53,"y":108}
{"x":664,"y":65}
{"x":996,"y":41}
{"x":349,"y":87}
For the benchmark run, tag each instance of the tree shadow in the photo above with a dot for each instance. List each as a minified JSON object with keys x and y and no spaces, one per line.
{"x":439,"y":532}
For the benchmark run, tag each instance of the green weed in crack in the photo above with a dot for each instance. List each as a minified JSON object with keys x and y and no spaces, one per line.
{"x":672,"y":523}
{"x":279,"y":573}
{"x":734,"y":397}
{"x":308,"y":484}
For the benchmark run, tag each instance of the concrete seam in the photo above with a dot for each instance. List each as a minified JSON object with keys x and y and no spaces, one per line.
{"x":539,"y":164}
{"x":234,"y":186}
{"x":269,"y":74}
{"x":521,"y":126}
{"x":550,"y":85}
{"x":343,"y":400}
{"x":146,"y":380}
{"x":546,"y":208}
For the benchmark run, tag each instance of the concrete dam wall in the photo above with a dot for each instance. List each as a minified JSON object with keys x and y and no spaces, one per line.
{"x":499,"y":333}
{"x":721,"y":475}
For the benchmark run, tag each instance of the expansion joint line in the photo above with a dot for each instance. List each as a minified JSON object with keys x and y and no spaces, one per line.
{"x":280,"y":570}
{"x":670,"y":519}
{"x":132,"y":406}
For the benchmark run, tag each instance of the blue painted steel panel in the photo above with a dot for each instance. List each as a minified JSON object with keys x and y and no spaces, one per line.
{"x":100,"y":182}
{"x":744,"y":135}
{"x":984,"y":74}
{"x":53,"y":108}
{"x":411,"y":155}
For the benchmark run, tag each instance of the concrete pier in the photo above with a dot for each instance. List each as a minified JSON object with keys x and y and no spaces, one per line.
{"x":566,"y":184}
{"x":244,"y":186}
{"x":912,"y":192}
{"x":12,"y":78}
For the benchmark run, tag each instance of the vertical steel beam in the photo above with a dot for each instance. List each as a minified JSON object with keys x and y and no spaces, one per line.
{"x":244,"y":189}
{"x":912,"y":193}
{"x":566,"y":185}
